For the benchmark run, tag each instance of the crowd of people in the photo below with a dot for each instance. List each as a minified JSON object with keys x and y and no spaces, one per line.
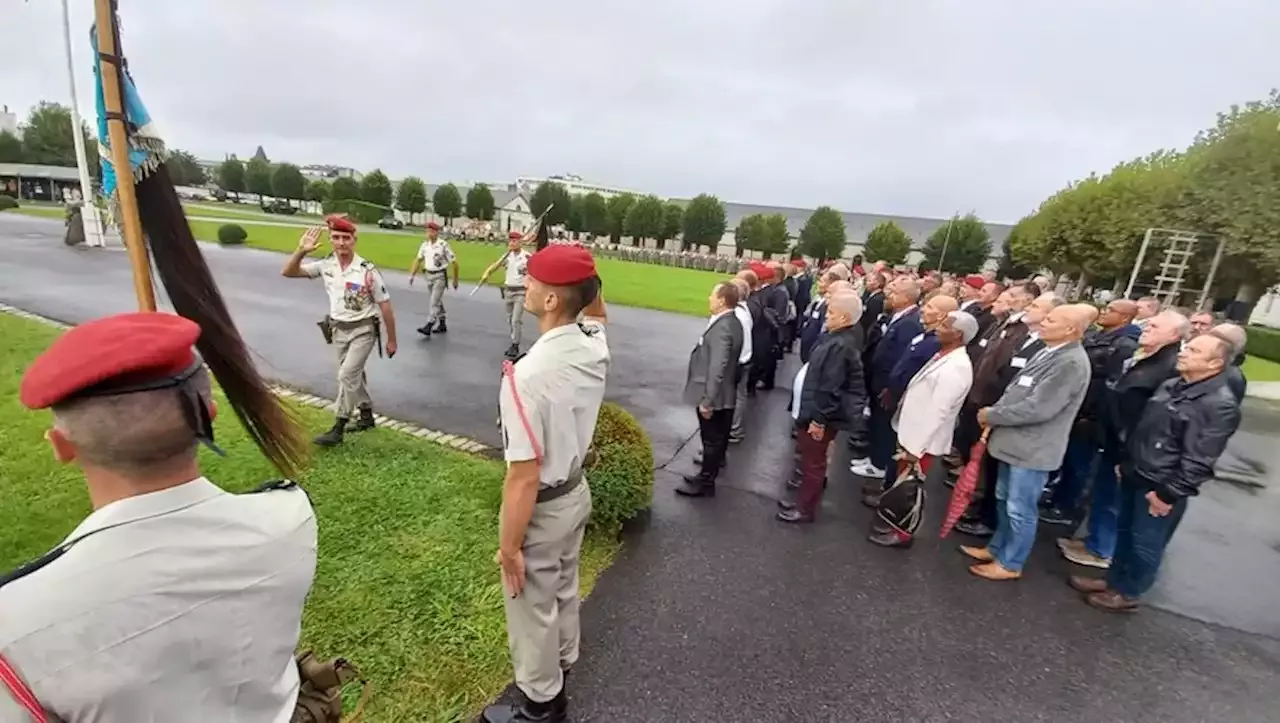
{"x":1105,"y":421}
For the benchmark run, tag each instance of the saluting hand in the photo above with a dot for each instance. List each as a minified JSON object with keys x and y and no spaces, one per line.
{"x":310,"y":240}
{"x":512,"y":572}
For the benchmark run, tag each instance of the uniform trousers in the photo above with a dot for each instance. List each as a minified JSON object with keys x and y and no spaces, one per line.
{"x":514,"y":299}
{"x":354,"y":344}
{"x":542,"y":621}
{"x":436,"y":284}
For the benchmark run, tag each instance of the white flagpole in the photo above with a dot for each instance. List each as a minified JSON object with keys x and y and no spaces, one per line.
{"x":88,"y":210}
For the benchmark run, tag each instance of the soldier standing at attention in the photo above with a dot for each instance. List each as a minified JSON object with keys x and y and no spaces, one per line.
{"x":516,"y":262}
{"x":173,"y":600}
{"x":436,"y":260}
{"x":549,"y":402}
{"x":357,"y":294}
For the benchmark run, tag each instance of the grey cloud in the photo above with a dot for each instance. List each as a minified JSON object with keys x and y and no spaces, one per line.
{"x":922,"y":107}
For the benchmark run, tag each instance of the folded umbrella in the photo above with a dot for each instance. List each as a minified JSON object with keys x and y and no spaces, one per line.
{"x":962,"y":493}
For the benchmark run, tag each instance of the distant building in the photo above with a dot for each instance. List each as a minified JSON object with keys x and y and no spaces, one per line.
{"x":25,"y":181}
{"x":574,"y":184}
{"x":325,"y":172}
{"x":8,"y":121}
{"x":857,"y":226}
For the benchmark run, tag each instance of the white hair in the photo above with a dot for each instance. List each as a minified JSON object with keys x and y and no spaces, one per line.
{"x":963,"y":322}
{"x":1233,"y":334}
{"x":848,"y":303}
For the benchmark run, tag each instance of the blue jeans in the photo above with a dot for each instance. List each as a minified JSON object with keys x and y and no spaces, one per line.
{"x":1103,"y":511}
{"x":1077,"y":467}
{"x":1018,"y":491}
{"x":1141,"y":540}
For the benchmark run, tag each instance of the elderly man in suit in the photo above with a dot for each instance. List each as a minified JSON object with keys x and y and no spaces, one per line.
{"x":1030,"y":425}
{"x":897,"y":330}
{"x":827,"y":396}
{"x":926,"y":419}
{"x":712,"y":386}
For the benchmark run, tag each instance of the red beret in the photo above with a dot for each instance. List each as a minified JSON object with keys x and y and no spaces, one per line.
{"x":975,"y":281}
{"x":515,"y":235}
{"x":124,"y":349}
{"x":433,"y":225}
{"x":341,"y":224}
{"x":562,"y":265}
{"x":801,"y":263}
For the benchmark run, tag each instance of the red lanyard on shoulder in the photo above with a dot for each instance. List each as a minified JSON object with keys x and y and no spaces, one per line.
{"x":21,"y":693}
{"x":509,"y":371}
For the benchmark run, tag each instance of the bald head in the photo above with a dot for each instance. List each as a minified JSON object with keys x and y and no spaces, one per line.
{"x":839,"y":286}
{"x":902,"y":293}
{"x":844,"y":307}
{"x":1119,"y":313}
{"x":1067,"y":323}
{"x":840,"y":271}
{"x":935,"y":310}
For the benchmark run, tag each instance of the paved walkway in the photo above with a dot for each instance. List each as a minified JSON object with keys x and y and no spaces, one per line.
{"x":716,"y":612}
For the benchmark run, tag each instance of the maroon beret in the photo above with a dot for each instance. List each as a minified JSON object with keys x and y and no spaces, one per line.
{"x":562,"y":265}
{"x":433,"y":225}
{"x":125,"y":349}
{"x":975,"y":281}
{"x":341,"y":224}
{"x":515,"y":235}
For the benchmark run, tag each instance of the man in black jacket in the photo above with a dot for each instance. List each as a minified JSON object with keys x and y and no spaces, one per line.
{"x":1182,"y":431}
{"x":872,"y":304}
{"x":773,"y":300}
{"x":828,"y":396}
{"x":1127,"y":392}
{"x":1108,"y":346}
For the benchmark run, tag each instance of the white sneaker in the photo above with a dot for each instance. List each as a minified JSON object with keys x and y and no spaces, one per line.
{"x":860,"y":462}
{"x":866,"y":469}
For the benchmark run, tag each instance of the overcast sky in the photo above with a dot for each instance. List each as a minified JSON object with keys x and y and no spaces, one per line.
{"x":919,"y":107}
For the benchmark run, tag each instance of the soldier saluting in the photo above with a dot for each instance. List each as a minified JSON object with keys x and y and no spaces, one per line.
{"x":549,"y":402}
{"x":357,"y":295}
{"x":173,"y":600}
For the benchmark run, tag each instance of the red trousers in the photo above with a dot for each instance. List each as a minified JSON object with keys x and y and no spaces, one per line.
{"x":813,"y":467}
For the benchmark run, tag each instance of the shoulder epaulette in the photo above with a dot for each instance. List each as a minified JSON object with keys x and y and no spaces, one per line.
{"x":279,"y":484}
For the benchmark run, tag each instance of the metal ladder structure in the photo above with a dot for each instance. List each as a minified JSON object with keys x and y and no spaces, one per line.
{"x":1179,"y":249}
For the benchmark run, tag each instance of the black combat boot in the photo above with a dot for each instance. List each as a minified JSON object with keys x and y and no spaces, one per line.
{"x":555,"y":710}
{"x":441,"y":327}
{"x":333,"y":437}
{"x":365,"y":421}
{"x":425,"y":330}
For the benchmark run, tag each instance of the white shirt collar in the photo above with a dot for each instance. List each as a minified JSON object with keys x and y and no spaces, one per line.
{"x":151,"y":504}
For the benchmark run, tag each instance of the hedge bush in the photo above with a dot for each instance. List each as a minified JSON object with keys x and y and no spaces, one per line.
{"x":1263,"y":342}
{"x":7,"y":202}
{"x":621,"y":475}
{"x":231,"y":234}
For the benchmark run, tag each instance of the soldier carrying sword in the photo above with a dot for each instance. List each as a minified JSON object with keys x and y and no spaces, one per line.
{"x":516,"y":263}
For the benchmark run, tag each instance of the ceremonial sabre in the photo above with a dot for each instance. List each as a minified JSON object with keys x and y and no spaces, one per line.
{"x":537,"y":224}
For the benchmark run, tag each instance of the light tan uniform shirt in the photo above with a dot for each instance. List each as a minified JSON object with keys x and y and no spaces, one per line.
{"x":178,"y":605}
{"x":354,"y":292}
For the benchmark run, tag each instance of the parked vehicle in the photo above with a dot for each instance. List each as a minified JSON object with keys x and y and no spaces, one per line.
{"x":279,"y":206}
{"x":390,"y":221}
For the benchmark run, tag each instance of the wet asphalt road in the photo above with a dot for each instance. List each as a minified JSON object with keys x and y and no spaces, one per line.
{"x":715,"y":612}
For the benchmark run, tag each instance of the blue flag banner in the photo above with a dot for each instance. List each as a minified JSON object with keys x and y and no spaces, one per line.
{"x":146,"y":150}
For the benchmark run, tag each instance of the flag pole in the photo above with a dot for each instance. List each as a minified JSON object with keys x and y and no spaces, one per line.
{"x":110,"y":63}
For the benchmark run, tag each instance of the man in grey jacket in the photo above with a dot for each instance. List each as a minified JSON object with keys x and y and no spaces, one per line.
{"x":712,"y":386}
{"x":1030,"y":425}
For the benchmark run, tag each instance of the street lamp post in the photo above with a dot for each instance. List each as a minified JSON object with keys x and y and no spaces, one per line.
{"x":88,"y":210}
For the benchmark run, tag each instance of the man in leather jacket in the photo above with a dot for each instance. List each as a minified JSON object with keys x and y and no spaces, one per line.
{"x":1182,"y":431}
{"x":828,"y":396}
{"x":1122,"y":404}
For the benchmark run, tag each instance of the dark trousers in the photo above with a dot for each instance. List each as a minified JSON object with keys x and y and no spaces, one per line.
{"x":764,"y":367}
{"x":1077,"y":469}
{"x":813,"y":467}
{"x":715,"y":441}
{"x":1140,"y":541}
{"x":988,"y":509}
{"x":884,"y":441}
{"x":968,"y":431}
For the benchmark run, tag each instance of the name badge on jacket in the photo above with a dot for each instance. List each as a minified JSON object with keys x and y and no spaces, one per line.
{"x":917,"y":339}
{"x":1025,"y":381}
{"x":1018,"y":362}
{"x":982,"y":343}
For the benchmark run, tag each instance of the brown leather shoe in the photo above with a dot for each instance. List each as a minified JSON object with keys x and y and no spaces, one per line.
{"x":981,"y":554}
{"x":1087,"y":585}
{"x":994,"y":571}
{"x":1112,"y":602}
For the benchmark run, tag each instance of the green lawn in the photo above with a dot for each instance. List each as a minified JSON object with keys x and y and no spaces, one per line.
{"x":1257,"y":369}
{"x":631,"y":284}
{"x":405,"y":587}
{"x":41,"y":211}
{"x":237,"y":211}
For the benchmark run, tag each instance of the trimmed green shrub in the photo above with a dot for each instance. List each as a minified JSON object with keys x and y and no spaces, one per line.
{"x":1264,"y":342}
{"x":231,"y":234}
{"x":7,"y":202}
{"x":621,"y":475}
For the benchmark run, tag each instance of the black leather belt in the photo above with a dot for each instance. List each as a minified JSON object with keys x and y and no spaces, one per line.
{"x":547,"y":494}
{"x":349,"y":325}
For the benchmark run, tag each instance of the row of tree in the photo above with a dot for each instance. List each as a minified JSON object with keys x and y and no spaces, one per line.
{"x":46,"y":139}
{"x":1225,"y":185}
{"x":699,"y":223}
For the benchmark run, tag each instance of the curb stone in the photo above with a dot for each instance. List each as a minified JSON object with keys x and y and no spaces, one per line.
{"x":455,"y":442}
